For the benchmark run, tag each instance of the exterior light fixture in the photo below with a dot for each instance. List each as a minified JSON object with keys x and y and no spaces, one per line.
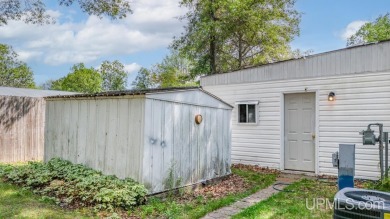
{"x":331,"y":96}
{"x":198,"y":119}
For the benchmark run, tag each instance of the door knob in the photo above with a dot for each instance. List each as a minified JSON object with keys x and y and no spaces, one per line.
{"x":313,"y":135}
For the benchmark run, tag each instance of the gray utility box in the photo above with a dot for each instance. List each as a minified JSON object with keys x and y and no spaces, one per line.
{"x":344,"y":160}
{"x":347,"y":159}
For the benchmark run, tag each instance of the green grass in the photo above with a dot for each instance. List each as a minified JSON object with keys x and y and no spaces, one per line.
{"x":18,"y":203}
{"x":172,"y":208}
{"x":381,"y":185}
{"x":293,"y":204}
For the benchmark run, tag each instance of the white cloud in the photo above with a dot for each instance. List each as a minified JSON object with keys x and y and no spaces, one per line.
{"x":54,"y":14}
{"x":132,"y":68}
{"x":151,"y":26}
{"x":351,"y":29}
{"x":28,"y":55}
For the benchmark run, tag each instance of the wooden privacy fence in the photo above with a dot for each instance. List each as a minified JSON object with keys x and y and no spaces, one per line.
{"x":21,"y":128}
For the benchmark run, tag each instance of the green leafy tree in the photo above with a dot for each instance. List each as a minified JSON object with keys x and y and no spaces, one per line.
{"x":14,"y":73}
{"x":81,"y":79}
{"x":259,"y":32}
{"x":144,"y":80}
{"x":225,"y":36}
{"x":114,"y":75}
{"x":375,"y":31}
{"x":173,"y":71}
{"x":203,"y":34}
{"x":34,"y":11}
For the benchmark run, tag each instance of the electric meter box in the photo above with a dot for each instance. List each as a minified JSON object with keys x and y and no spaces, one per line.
{"x":369,"y":137}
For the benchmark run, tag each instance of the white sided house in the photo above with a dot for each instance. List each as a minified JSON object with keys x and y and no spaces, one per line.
{"x":282,"y":116}
{"x":163,"y":138}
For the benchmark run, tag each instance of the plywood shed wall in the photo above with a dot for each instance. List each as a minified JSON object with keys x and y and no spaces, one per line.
{"x":102,"y":133}
{"x":150,"y":136}
{"x":22,"y":119}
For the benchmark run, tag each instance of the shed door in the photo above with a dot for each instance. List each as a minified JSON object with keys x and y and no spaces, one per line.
{"x":299,"y":131}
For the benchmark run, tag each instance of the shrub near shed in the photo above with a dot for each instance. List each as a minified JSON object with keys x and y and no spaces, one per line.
{"x":74,"y":185}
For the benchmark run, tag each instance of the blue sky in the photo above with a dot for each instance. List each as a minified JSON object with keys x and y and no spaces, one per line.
{"x":142,"y":38}
{"x":325,"y":21}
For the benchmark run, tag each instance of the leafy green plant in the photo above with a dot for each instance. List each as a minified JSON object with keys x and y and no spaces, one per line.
{"x":75,"y":185}
{"x":172,"y":182}
{"x":382,"y":185}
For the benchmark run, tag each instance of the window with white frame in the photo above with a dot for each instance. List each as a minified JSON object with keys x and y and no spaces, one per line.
{"x":247,"y":112}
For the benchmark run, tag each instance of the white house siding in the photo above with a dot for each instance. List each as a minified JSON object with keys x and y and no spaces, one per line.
{"x":360,"y":99}
{"x":175,"y":144}
{"x":102,"y":133}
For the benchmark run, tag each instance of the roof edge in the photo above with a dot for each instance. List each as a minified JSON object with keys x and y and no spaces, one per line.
{"x":134,"y":92}
{"x":215,"y":97}
{"x":139,"y":92}
{"x":294,"y":59}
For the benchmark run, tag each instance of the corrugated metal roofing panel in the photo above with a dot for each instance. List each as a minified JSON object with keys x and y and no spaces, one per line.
{"x":24,"y":92}
{"x":351,"y":60}
{"x":127,"y":92}
{"x":138,"y":92}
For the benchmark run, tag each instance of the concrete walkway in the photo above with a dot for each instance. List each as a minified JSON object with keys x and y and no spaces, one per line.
{"x":235,"y":208}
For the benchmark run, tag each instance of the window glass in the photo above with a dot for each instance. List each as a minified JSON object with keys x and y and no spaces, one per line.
{"x":242,"y":113}
{"x":247,"y":113}
{"x":251,"y":113}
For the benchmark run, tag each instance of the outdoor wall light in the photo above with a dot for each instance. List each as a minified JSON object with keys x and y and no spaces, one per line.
{"x":331,"y":96}
{"x":198,"y":119}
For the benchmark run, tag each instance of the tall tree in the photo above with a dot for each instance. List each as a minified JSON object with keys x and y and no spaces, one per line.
{"x":34,"y":11}
{"x":80,"y":79}
{"x":114,"y":75}
{"x":173,"y":71}
{"x":14,"y":73}
{"x":375,"y":31}
{"x":203,"y":34}
{"x":259,"y":32}
{"x":225,"y":36}
{"x":144,"y":80}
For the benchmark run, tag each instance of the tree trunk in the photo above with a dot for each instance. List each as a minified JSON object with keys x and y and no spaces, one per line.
{"x":213,"y":68}
{"x":240,"y":51}
{"x":212,"y":52}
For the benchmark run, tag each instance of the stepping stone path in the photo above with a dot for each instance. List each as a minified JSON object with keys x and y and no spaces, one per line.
{"x":235,"y":208}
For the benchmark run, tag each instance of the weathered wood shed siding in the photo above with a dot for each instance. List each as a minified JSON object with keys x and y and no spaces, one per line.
{"x":150,"y":137}
{"x":22,"y":121}
{"x":359,"y":76}
{"x":176,"y":146}
{"x":102,"y":133}
{"x":21,"y":128}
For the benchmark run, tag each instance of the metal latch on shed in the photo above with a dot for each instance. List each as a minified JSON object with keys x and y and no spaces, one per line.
{"x":335,"y":159}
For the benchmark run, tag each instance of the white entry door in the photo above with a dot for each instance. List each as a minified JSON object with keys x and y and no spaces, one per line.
{"x":299,"y":131}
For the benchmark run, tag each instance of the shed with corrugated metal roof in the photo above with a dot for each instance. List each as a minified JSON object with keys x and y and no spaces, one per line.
{"x":163,"y":138}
